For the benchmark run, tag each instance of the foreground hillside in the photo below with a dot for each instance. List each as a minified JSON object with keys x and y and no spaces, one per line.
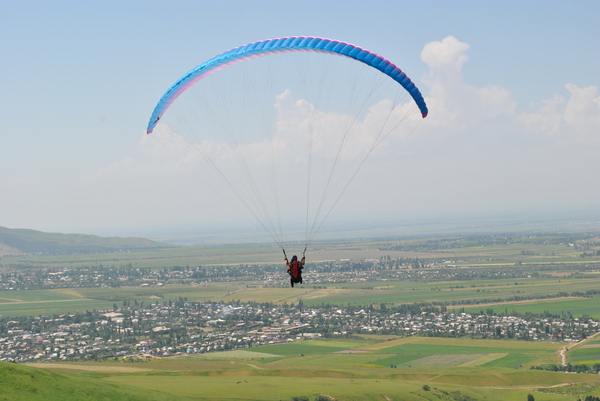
{"x":353,"y":369}
{"x":18,"y":382}
{"x":16,"y":241}
{"x":475,"y":318}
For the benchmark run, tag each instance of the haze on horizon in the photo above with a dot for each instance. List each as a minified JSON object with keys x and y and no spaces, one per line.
{"x":513,"y":131}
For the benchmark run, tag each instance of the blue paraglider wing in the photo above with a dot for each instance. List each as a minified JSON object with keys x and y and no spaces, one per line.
{"x":273,"y":46}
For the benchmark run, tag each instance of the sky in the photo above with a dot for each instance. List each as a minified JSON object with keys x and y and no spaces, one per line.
{"x":512,"y":90}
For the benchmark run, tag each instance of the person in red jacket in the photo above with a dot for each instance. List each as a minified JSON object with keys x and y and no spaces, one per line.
{"x":294,"y":269}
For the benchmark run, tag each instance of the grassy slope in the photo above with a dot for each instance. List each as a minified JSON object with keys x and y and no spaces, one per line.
{"x":358,"y":376}
{"x":18,"y":382}
{"x":353,"y":383}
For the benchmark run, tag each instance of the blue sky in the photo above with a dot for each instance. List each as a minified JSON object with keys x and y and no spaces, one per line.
{"x":514,"y":119}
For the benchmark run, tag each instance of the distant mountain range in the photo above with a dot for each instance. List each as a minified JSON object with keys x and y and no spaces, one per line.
{"x":17,"y":241}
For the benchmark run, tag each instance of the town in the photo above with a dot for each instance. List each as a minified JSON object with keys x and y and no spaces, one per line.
{"x":169,"y":328}
{"x":28,"y":277}
{"x":134,"y":329}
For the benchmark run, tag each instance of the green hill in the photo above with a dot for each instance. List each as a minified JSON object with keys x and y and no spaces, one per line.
{"x":19,"y":382}
{"x":14,"y":241}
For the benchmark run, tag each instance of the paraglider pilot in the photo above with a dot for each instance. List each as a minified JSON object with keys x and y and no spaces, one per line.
{"x":294,"y":269}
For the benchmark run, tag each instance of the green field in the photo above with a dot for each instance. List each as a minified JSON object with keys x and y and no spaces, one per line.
{"x":585,"y":355}
{"x":480,"y":369}
{"x":357,"y":368}
{"x":576,"y":306}
{"x":477,"y":292}
{"x":544,"y":252}
{"x":508,"y":361}
{"x":301,"y":348}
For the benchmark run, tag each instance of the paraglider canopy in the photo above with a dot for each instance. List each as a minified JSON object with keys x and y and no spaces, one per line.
{"x":291,"y":44}
{"x":279,"y":136}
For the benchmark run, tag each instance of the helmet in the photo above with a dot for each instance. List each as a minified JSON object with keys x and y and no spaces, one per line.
{"x":294,"y":258}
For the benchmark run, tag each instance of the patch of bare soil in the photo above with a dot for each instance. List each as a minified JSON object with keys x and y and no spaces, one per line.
{"x":92,"y":368}
{"x":529,"y":301}
{"x":351,"y":351}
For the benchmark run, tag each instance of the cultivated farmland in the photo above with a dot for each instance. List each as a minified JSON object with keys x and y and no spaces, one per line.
{"x":437,"y":318}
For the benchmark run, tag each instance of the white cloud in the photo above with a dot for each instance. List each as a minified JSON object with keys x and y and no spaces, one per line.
{"x":576,"y":119}
{"x":451,"y":100}
{"x":547,"y":119}
{"x":476,"y":152}
{"x":458,"y":110}
{"x":447,"y":55}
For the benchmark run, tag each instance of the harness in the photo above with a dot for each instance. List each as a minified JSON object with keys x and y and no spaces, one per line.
{"x":295,"y":266}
